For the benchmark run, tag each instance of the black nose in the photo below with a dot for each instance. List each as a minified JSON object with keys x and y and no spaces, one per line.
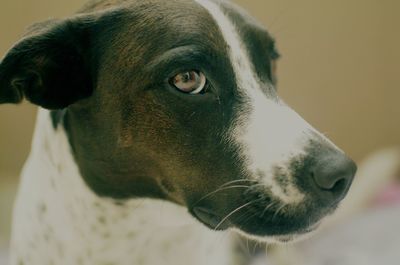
{"x":333,"y":175}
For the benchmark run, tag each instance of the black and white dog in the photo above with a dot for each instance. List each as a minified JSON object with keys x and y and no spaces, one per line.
{"x":164,"y":115}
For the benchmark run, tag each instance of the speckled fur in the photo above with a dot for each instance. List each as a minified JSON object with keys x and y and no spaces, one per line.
{"x":59,"y":221}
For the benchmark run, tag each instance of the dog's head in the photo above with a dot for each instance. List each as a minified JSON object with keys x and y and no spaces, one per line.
{"x":176,"y":100}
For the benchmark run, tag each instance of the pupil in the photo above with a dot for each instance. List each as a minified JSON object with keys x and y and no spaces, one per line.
{"x":187,"y":77}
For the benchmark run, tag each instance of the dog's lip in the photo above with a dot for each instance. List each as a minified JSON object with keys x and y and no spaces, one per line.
{"x":282,"y":238}
{"x":285,"y":239}
{"x":216,"y":222}
{"x":210,"y":218}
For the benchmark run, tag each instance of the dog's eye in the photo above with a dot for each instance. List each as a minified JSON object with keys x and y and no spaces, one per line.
{"x":191,"y":82}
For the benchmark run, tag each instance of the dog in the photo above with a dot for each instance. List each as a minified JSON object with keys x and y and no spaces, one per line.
{"x":160,"y":137}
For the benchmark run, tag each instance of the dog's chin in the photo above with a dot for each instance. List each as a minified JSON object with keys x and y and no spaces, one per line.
{"x":283,"y":239}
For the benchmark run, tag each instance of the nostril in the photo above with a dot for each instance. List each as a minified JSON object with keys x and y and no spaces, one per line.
{"x":329,"y":183}
{"x":339,"y":186}
{"x":334,"y":173}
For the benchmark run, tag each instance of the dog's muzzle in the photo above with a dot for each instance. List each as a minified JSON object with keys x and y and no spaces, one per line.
{"x":323,"y":176}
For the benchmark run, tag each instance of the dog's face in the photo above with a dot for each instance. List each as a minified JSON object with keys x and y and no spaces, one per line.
{"x":176,"y":100}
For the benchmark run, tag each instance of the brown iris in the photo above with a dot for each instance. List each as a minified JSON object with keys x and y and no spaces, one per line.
{"x":191,"y":82}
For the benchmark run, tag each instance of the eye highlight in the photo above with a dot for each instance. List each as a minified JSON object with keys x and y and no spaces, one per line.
{"x":190,"y":82}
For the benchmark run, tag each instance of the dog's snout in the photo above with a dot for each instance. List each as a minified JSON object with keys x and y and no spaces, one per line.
{"x":333,"y":175}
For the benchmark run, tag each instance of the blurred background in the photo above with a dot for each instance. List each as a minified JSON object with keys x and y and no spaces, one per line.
{"x":340,"y":69}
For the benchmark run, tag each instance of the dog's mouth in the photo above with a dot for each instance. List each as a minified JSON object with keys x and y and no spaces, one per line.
{"x":282,"y":224}
{"x":210,"y":218}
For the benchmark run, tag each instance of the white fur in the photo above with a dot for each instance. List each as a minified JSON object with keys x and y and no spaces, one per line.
{"x":268,"y":132}
{"x":59,"y":220}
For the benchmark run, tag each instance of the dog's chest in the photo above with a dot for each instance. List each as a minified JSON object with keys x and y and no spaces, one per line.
{"x":58,"y":220}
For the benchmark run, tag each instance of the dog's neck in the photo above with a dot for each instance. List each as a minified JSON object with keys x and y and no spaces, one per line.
{"x":59,"y":220}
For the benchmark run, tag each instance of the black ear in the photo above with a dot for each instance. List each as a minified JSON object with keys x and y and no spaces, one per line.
{"x":50,"y":66}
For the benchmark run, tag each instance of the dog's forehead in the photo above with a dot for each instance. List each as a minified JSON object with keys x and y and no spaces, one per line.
{"x":182,"y":21}
{"x":152,"y":27}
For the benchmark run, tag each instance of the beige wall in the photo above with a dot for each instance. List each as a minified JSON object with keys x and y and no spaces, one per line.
{"x":340,"y":68}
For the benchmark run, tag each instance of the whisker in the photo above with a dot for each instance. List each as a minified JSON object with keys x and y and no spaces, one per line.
{"x":224,"y":186}
{"x":277,"y":212}
{"x":255,"y":247}
{"x":255,"y":186}
{"x":244,"y":217}
{"x":218,"y":190}
{"x":269,"y":206}
{"x":233,"y":212}
{"x":245,"y":221}
{"x":237,"y":180}
{"x":248,"y":247}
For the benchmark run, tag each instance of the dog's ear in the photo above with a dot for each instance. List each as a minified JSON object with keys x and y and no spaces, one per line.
{"x":49,"y":67}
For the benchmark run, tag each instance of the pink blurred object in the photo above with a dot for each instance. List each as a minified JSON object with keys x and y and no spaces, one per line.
{"x":389,"y":195}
